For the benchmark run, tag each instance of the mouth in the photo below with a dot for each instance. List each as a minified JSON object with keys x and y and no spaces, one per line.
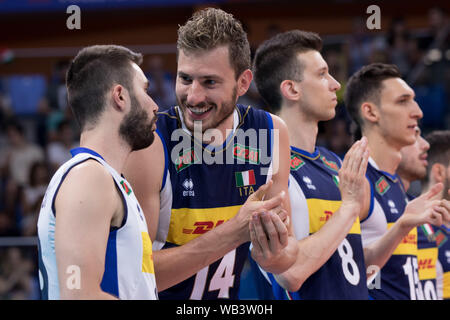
{"x":423,"y":159}
{"x":197,"y":113}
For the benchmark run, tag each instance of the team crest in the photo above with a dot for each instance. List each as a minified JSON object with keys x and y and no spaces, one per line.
{"x":330,"y":164}
{"x":247,"y":154}
{"x":296,"y":162}
{"x":382,"y":186}
{"x":186,"y":159}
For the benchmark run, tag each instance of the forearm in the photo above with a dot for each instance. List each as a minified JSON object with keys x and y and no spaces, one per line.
{"x":315,"y":250}
{"x":173,"y":265}
{"x":378,"y":252}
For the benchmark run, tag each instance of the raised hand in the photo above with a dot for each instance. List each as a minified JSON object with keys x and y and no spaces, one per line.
{"x":352,"y":175}
{"x":427,"y":209}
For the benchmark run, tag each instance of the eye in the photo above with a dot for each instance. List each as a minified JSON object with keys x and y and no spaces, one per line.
{"x":185,"y":78}
{"x":210,"y":82}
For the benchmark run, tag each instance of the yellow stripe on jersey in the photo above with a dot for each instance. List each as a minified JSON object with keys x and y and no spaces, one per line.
{"x":321,"y":210}
{"x":147,"y":254}
{"x":427,"y":263}
{"x":408,"y":246}
{"x":446,"y":285}
{"x":187,"y":224}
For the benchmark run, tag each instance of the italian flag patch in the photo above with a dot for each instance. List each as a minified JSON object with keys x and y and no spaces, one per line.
{"x":125,"y":187}
{"x":245,"y":178}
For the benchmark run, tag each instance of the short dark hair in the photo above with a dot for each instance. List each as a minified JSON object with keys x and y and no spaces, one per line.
{"x":439,"y":151}
{"x":210,"y":28}
{"x":366,"y":85}
{"x":276,"y":60}
{"x":92,"y":73}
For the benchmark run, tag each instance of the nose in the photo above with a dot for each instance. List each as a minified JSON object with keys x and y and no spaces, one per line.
{"x":195,"y":94}
{"x":334,"y":84}
{"x":417,"y":111}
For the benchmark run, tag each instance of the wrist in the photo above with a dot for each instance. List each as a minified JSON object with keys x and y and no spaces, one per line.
{"x":351,"y":207}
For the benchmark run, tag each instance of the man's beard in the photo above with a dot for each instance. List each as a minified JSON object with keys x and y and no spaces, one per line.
{"x":136,"y":129}
{"x":226,"y":110}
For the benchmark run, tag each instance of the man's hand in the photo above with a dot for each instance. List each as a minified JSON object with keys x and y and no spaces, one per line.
{"x":271,"y":241}
{"x":427,"y":209}
{"x":256,"y":204}
{"x":352,"y":175}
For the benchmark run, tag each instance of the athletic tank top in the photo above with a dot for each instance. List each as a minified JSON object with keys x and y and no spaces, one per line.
{"x":129,"y":271}
{"x":205,"y":186}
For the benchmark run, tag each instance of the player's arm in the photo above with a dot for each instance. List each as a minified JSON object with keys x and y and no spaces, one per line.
{"x":86,"y":205}
{"x":315,"y":250}
{"x":176,"y":264}
{"x":274,"y":245}
{"x":424,"y":209}
{"x":144,"y":170}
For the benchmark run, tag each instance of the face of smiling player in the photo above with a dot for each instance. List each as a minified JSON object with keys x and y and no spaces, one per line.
{"x":207,"y":88}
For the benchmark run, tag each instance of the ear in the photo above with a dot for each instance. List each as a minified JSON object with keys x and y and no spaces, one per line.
{"x":244,"y":81}
{"x":119,"y":97}
{"x":369,"y":112}
{"x":437,"y":173}
{"x":290,"y":90}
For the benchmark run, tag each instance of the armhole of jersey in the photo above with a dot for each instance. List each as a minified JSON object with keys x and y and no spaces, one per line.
{"x":372,"y":196}
{"x":166,"y":160}
{"x":125,"y":208}
{"x":270,"y":122}
{"x":62,"y":180}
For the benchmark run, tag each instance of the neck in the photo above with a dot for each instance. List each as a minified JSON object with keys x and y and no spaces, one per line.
{"x":386,"y":156}
{"x":302,"y":131}
{"x":113,"y":149}
{"x":406,"y":182}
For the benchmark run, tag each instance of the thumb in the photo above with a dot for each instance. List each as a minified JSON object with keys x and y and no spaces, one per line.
{"x":261,"y":192}
{"x":433,"y":193}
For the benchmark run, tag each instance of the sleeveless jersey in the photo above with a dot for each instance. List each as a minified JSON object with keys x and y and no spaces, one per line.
{"x":204,"y":186}
{"x":398,"y":279}
{"x":315,"y":196}
{"x":427,"y":255}
{"x":129,"y":271}
{"x":443,"y":242}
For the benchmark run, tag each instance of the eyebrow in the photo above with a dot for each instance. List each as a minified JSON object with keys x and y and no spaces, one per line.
{"x":405,"y":95}
{"x":207,"y":76}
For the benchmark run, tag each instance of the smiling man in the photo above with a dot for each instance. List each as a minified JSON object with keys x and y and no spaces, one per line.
{"x":198,"y":213}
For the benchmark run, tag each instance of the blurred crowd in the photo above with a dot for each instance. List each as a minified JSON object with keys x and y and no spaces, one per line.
{"x":38,"y":129}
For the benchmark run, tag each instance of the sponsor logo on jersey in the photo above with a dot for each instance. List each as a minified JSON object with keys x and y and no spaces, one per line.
{"x":392,"y":207}
{"x":330,"y":164}
{"x":246,"y":154}
{"x":382,"y":186}
{"x":202,"y":227}
{"x":326,"y":215}
{"x":188,"y":185}
{"x":427,"y":258}
{"x":408,"y":245}
{"x":186,"y":159}
{"x":307,"y":180}
{"x":187,"y":224}
{"x":125,"y":187}
{"x":296,"y":162}
{"x":320,"y":211}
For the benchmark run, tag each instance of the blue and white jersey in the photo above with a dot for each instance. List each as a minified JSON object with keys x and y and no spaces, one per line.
{"x":205,"y":186}
{"x":399,"y":277}
{"x":315,"y":196}
{"x":129,"y":271}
